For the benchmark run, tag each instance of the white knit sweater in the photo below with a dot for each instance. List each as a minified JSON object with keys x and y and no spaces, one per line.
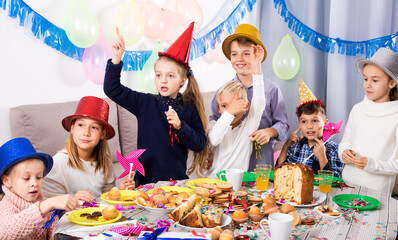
{"x":372,"y":131}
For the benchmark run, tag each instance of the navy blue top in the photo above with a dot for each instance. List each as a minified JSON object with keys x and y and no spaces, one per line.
{"x":161,"y":160}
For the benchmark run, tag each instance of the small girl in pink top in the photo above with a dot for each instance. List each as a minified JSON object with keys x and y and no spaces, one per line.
{"x":23,"y":210}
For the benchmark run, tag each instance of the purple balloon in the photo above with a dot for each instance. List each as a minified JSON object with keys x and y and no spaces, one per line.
{"x":95,"y":58}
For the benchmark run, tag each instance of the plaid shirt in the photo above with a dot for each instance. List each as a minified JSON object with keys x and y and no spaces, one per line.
{"x":298,"y":152}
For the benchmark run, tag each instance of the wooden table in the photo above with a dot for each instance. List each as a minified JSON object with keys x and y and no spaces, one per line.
{"x":377,"y":224}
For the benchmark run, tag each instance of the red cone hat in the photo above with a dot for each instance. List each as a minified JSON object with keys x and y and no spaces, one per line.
{"x":181,"y":48}
{"x":94,"y":108}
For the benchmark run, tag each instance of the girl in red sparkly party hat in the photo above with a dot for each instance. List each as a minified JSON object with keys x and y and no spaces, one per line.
{"x":169,"y":123}
{"x":84,"y":167}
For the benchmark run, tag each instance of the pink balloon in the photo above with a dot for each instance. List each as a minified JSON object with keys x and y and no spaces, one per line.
{"x":95,"y":58}
{"x":191,"y":11}
{"x":173,"y":26}
{"x":153,"y":20}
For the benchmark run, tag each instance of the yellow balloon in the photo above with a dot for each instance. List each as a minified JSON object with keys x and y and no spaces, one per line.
{"x":130,"y":23}
{"x":286,"y":61}
{"x":81,"y":24}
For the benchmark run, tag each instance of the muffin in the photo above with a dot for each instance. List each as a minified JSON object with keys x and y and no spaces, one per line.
{"x":255,"y":214}
{"x":109,"y":212}
{"x":114,"y":194}
{"x":239,"y":217}
{"x":215,"y":232}
{"x":227,"y":235}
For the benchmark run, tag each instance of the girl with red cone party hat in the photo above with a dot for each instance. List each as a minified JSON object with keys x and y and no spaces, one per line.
{"x":84,"y":167}
{"x":169,"y":123}
{"x":24,"y":211}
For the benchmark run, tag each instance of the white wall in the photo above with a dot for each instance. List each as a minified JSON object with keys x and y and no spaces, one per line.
{"x":32,"y":72}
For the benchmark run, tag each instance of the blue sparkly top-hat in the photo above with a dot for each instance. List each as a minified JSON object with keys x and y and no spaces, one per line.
{"x":19,"y":149}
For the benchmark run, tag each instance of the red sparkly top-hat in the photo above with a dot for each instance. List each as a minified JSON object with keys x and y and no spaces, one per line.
{"x":94,"y":108}
{"x":181,"y":48}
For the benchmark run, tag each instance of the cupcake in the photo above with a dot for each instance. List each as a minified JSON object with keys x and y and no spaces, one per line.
{"x":114,"y":194}
{"x":255,"y":214}
{"x":215,"y":232}
{"x":227,"y":235}
{"x":109,"y":212}
{"x":239,"y":217}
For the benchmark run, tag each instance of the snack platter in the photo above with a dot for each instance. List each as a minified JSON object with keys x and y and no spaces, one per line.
{"x":225,"y":220}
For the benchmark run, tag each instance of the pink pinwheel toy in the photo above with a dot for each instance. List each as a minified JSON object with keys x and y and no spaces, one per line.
{"x":331,"y":129}
{"x":131,"y":163}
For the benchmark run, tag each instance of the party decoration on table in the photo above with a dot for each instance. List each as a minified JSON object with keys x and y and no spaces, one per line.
{"x":163,"y":223}
{"x":130,"y":23}
{"x":286,"y":61}
{"x":153,"y":236}
{"x":191,"y":11}
{"x":132,"y":158}
{"x":172,"y":132}
{"x":153,"y":19}
{"x":95,"y":59}
{"x":81,"y":24}
{"x":90,"y":204}
{"x":360,"y":202}
{"x":329,"y":44}
{"x":147,"y":74}
{"x":54,"y":215}
{"x":330,"y":129}
{"x":136,"y":230}
{"x":257,"y":149}
{"x":173,"y":182}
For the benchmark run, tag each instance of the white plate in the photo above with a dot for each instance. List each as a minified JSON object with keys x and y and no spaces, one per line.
{"x":156,"y":210}
{"x":326,"y":215}
{"x":319,"y":198}
{"x":225,"y":220}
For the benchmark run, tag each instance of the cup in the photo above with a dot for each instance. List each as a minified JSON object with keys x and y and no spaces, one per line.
{"x":262,"y":172}
{"x":325,"y":180}
{"x":280,"y":225}
{"x":235,"y":177}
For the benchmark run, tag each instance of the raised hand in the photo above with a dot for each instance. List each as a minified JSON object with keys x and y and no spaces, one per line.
{"x":118,"y":47}
{"x":238,"y":106}
{"x":256,"y":58}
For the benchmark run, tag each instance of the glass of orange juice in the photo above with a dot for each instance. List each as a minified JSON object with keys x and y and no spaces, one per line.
{"x":325,"y":180}
{"x":262,"y":172}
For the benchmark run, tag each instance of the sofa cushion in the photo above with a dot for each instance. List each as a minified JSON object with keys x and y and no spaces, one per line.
{"x":41,"y":124}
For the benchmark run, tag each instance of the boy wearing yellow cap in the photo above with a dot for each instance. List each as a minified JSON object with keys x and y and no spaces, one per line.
{"x":310,"y":149}
{"x":273,"y":125}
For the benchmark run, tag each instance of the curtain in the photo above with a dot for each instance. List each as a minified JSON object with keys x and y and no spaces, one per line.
{"x":331,"y":77}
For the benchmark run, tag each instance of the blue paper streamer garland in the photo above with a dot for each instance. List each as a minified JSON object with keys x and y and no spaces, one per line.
{"x":328,"y":44}
{"x":56,"y":38}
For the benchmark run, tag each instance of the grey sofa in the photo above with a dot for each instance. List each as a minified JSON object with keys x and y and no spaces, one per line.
{"x":41,"y":124}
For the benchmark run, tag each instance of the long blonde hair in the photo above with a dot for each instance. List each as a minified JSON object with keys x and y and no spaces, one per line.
{"x":101,"y":155}
{"x":193,"y":95}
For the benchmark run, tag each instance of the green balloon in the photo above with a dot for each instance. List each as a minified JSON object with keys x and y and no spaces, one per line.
{"x":286,"y":61}
{"x":81,"y":24}
{"x":147,"y":74}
